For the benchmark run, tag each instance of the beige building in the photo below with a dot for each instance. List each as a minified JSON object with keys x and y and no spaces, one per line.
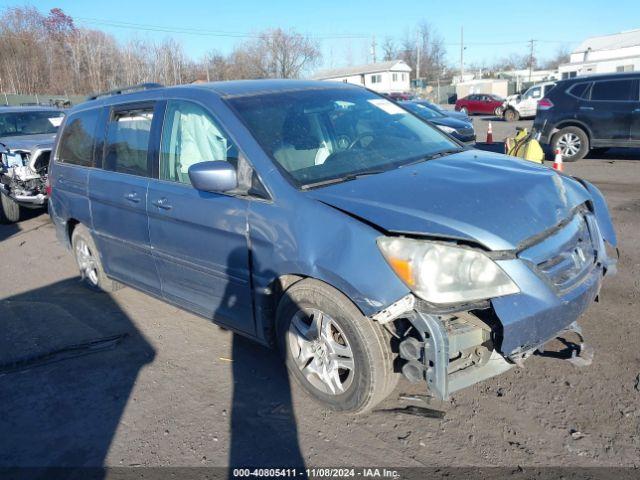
{"x":386,"y":77}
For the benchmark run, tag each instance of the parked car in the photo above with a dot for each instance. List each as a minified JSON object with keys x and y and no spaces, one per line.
{"x":459,"y":129}
{"x":26,"y":139}
{"x":525,"y":105}
{"x":590,"y":113}
{"x":399,"y":96}
{"x":449,"y":113}
{"x":480,"y":103}
{"x":329,"y":221}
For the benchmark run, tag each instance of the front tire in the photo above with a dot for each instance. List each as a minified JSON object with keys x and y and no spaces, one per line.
{"x":510,"y":115}
{"x":572,"y":142}
{"x":9,"y":209}
{"x":498,"y":112}
{"x":88,"y":261}
{"x":464,"y":110}
{"x":342,"y":359}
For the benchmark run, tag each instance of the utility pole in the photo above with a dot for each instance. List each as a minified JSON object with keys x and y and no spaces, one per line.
{"x":461,"y":54}
{"x":531,"y":42}
{"x":417,"y":56}
{"x":373,"y":49}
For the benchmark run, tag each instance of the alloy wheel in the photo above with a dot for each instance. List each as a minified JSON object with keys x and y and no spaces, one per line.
{"x":321,"y":351}
{"x":569,"y":144}
{"x":87,"y":262}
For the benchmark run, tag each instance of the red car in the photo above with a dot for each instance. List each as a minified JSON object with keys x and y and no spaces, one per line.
{"x":480,"y":103}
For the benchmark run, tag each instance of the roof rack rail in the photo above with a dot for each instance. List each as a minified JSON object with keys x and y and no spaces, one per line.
{"x":119,"y":91}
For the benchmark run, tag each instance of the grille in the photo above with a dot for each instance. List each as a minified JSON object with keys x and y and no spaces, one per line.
{"x":575,"y":259}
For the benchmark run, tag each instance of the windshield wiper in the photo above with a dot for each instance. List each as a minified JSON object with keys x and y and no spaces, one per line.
{"x":345,"y":178}
{"x":432,"y":156}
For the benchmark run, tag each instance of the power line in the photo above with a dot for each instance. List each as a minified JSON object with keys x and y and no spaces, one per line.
{"x":201,"y":32}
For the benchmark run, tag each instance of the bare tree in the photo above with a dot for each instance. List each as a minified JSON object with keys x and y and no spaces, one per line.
{"x":389,"y":51}
{"x":562,"y":55}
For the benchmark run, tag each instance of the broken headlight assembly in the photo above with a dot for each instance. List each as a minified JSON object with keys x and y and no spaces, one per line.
{"x":445,"y":274}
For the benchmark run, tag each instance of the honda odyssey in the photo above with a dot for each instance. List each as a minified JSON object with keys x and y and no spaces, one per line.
{"x":328,"y":221}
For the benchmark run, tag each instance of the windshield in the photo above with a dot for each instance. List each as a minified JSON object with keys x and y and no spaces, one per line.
{"x":29,"y":123}
{"x":422,"y":111}
{"x":334,"y":133}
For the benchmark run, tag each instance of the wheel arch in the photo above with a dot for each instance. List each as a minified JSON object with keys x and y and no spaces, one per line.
{"x":573,"y":123}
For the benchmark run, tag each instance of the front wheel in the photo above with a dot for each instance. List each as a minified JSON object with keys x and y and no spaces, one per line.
{"x":510,"y":115}
{"x":464,"y":110}
{"x":341,"y":358}
{"x":572,"y":142}
{"x":498,"y":112}
{"x":9,"y":209}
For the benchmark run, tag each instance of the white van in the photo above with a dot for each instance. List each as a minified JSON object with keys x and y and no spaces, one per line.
{"x":519,"y":106}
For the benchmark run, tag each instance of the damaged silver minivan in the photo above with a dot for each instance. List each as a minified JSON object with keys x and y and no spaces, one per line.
{"x":324,"y":219}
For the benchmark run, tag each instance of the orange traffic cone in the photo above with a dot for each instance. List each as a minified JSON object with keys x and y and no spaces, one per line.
{"x":490,"y":134}
{"x":557,"y":161}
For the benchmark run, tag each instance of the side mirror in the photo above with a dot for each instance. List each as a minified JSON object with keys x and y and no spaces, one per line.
{"x":217,"y":177}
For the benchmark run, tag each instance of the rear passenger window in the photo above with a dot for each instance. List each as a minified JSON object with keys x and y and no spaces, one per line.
{"x":189,"y":136}
{"x":128,"y":141}
{"x":612,"y":90}
{"x":78,"y":138}
{"x":579,"y":90}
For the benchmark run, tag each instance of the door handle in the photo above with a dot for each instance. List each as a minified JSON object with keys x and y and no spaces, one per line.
{"x":586,"y":108}
{"x":132,"y":197}
{"x":162,"y":203}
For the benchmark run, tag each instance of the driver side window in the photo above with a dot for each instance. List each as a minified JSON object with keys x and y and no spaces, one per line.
{"x":190,"y":136}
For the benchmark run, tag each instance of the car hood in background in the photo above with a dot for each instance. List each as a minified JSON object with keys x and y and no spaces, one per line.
{"x":27,"y":142}
{"x":451,"y":122}
{"x":487,"y":198}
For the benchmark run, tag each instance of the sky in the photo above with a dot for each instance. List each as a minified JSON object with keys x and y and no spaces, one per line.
{"x":344,"y":28}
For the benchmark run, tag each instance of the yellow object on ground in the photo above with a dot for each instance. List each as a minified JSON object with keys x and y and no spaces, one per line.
{"x":523,"y":145}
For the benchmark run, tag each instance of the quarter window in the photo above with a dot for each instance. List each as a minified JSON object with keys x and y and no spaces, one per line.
{"x":190,"y":136}
{"x":128,"y":141}
{"x":612,"y":90}
{"x":78,"y":138}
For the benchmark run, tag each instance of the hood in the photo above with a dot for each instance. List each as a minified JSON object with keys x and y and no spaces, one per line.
{"x":27,"y":142}
{"x":458,"y":115}
{"x":451,"y":122}
{"x":492,"y":199}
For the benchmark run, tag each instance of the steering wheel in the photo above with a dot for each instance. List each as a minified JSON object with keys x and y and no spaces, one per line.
{"x":359,"y":139}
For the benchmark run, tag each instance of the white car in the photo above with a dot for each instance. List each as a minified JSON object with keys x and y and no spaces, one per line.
{"x":519,"y":106}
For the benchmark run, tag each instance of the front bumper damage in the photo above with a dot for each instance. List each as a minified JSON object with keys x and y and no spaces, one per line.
{"x":559,"y":277}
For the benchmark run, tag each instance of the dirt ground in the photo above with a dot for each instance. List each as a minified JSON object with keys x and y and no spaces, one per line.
{"x":160,"y":387}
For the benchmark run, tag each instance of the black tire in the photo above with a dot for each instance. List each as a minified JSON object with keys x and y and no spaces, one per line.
{"x":9,"y":209}
{"x":498,"y":112}
{"x":96,"y":280}
{"x":465,"y":110}
{"x":510,"y":115}
{"x":372,"y":378}
{"x":578,"y":150}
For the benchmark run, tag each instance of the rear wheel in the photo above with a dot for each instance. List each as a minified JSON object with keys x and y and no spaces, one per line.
{"x":572,"y":142}
{"x":498,"y":112}
{"x":9,"y":209}
{"x":88,"y":261}
{"x":341,"y":358}
{"x":510,"y":115}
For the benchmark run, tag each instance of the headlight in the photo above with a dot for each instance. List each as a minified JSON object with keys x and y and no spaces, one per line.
{"x":446,"y":129}
{"x":441,"y":273}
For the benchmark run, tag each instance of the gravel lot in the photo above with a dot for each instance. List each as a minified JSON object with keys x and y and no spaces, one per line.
{"x":177,"y":390}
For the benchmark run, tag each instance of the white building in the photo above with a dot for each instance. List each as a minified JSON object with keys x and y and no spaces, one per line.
{"x":387,"y":77}
{"x":619,"y":52}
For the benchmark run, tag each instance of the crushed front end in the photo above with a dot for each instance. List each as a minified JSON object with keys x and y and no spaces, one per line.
{"x":23,"y":174}
{"x":559,"y":274}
